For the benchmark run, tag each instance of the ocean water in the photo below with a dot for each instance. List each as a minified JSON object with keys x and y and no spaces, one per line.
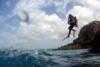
{"x":48,"y":58}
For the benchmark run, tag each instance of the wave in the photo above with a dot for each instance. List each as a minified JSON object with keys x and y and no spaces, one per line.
{"x":47,"y":58}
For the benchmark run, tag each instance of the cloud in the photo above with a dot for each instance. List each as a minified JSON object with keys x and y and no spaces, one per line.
{"x":60,"y":5}
{"x":93,"y":4}
{"x":82,"y":13}
{"x":39,"y":25}
{"x":90,"y":9}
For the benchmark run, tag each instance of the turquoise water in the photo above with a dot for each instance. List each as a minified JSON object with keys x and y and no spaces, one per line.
{"x":47,"y":58}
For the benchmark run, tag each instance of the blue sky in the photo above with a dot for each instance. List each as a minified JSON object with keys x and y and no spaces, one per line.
{"x":7,"y":20}
{"x":42,"y":23}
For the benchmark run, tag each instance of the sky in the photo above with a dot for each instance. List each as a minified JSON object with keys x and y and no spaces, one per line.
{"x":42,"y":24}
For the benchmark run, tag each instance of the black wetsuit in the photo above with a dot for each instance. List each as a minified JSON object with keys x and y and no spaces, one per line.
{"x":72,"y":21}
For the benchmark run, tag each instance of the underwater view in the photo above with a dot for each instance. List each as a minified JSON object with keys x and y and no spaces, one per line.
{"x":48,"y":58}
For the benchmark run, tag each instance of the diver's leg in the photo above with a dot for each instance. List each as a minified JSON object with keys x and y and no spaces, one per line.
{"x":69,"y":33}
{"x":73,"y":32}
{"x":70,"y":28}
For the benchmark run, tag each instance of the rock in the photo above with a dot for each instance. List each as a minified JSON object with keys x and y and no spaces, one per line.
{"x":89,"y":36}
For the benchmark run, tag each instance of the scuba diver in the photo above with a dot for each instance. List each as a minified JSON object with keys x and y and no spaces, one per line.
{"x":72,"y":21}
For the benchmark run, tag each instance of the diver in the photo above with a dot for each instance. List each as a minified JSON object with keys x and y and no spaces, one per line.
{"x":72,"y":21}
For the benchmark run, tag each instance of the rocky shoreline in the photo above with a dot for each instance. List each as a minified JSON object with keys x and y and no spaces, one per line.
{"x":88,"y":38}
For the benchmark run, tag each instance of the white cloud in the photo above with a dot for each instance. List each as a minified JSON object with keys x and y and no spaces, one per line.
{"x":42,"y":25}
{"x":60,"y":5}
{"x":39,"y":26}
{"x":93,"y":4}
{"x":88,"y":10}
{"x":82,"y":13}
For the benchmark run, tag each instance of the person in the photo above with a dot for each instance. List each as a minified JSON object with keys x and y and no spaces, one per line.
{"x":72,"y":21}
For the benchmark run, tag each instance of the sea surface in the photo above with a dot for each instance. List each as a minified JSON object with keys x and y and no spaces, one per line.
{"x":48,"y":58}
